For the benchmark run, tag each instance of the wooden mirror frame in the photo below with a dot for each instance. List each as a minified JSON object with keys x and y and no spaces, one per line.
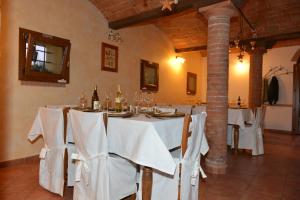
{"x":25,"y":70}
{"x":191,"y":90}
{"x":143,"y":84}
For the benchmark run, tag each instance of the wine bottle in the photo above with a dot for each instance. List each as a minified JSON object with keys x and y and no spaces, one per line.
{"x":239,"y":101}
{"x":118,"y":99}
{"x":95,"y":100}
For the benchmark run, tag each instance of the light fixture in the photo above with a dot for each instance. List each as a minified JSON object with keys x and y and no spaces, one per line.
{"x":180,"y":60}
{"x":238,"y":42}
{"x":240,"y":57}
{"x":114,"y":36}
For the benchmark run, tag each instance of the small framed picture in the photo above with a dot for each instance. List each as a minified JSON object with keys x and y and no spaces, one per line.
{"x":191,"y":85}
{"x":109,"y":58}
{"x":149,"y":76}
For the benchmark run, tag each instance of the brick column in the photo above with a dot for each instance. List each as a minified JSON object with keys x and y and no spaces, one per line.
{"x":217,"y":86}
{"x":255,"y":77}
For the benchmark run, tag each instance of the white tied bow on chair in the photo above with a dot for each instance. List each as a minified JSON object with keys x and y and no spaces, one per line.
{"x":82,"y":162}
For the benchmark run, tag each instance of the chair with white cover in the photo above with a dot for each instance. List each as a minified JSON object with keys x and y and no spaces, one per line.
{"x":69,"y":164}
{"x":49,"y":123}
{"x":184,"y":183}
{"x":251,"y":137}
{"x":98,"y":176}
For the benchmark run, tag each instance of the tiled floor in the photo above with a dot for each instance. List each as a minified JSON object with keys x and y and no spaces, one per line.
{"x":276,"y":175}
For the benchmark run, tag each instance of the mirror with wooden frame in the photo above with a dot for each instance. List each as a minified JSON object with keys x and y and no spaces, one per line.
{"x":43,"y":57}
{"x":191,"y":85}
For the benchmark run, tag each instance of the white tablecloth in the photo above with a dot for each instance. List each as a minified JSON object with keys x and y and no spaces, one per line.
{"x":235,"y":116}
{"x":146,"y":141}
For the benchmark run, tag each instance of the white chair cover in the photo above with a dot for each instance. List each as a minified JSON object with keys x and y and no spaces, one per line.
{"x":98,"y":176}
{"x":197,"y":145}
{"x":49,"y":123}
{"x":187,"y":109}
{"x":69,"y":144}
{"x":166,"y":186}
{"x":251,"y":137}
{"x":71,"y":149}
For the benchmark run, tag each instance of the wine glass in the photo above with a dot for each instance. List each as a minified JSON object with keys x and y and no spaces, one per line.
{"x":124,"y":101}
{"x":107,"y":99}
{"x":137,"y":98}
{"x":82,"y":101}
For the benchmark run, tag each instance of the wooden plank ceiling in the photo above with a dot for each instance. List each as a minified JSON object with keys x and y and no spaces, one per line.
{"x":187,"y":28}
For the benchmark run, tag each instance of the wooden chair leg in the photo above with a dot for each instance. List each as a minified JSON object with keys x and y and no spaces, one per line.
{"x":147,"y":183}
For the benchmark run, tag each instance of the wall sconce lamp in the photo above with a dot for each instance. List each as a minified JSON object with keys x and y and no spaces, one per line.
{"x":180,"y":60}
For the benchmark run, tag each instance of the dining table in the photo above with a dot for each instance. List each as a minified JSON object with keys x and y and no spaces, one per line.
{"x":142,"y":138}
{"x":146,"y":140}
{"x":237,"y":117}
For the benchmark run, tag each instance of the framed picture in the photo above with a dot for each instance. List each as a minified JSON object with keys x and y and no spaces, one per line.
{"x":109,"y":58}
{"x":149,"y":76}
{"x":191,"y":85}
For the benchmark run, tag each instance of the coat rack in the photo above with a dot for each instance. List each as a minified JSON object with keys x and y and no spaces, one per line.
{"x":277,"y":71}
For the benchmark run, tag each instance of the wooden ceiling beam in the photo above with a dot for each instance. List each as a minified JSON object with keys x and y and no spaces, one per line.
{"x":158,"y":13}
{"x":189,"y":49}
{"x":268,"y":42}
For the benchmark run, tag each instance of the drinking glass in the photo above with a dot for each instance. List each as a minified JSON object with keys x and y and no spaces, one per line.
{"x":82,"y":101}
{"x":107,"y":100}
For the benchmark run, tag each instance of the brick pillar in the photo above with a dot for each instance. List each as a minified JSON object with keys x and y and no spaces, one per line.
{"x":217,"y":87}
{"x":255,"y":77}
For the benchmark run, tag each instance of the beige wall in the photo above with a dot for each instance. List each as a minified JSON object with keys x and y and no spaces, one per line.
{"x":84,"y":25}
{"x":281,"y":117}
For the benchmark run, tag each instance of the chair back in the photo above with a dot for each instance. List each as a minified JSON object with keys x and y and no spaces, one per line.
{"x":197,"y":137}
{"x":51,"y":122}
{"x":89,"y":133}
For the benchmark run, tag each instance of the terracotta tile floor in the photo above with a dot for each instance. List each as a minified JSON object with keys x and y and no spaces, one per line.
{"x":276,"y":175}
